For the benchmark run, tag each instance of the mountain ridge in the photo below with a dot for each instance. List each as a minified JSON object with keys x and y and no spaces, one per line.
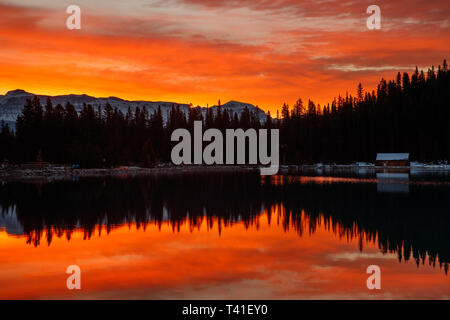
{"x":12,"y":103}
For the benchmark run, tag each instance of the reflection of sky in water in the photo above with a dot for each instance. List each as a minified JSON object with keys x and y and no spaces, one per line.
{"x":276,"y":258}
{"x":255,"y":263}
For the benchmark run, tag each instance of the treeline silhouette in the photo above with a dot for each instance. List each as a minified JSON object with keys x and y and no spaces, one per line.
{"x":104,"y":137}
{"x":407,"y":114}
{"x":414,"y":225}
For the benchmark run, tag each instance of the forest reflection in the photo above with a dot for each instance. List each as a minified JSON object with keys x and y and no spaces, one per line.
{"x":413,"y":225}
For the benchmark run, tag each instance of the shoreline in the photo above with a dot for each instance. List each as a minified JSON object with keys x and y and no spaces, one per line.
{"x":56,"y":173}
{"x":49,"y":172}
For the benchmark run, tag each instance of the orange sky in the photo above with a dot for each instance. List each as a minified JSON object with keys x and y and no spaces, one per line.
{"x":199,"y":51}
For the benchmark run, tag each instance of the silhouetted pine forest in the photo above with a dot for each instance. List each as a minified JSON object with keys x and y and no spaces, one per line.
{"x":408,"y":114}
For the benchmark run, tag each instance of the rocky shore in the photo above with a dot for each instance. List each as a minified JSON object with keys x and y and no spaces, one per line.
{"x":55,"y":172}
{"x":51,"y":172}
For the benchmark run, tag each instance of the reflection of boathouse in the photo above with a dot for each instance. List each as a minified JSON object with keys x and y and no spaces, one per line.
{"x":392,"y":159}
{"x":393,"y":182}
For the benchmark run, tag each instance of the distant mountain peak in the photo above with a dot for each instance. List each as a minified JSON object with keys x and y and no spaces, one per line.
{"x":115,"y":98}
{"x":236,"y":105}
{"x":234,"y":101}
{"x":17,"y":92}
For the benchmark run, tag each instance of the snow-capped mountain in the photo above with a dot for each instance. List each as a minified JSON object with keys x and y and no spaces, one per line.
{"x":12,"y":103}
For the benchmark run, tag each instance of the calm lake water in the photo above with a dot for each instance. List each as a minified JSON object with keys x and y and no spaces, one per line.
{"x":228,"y":236}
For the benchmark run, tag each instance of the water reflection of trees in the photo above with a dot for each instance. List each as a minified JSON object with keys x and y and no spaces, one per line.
{"x":413,"y":225}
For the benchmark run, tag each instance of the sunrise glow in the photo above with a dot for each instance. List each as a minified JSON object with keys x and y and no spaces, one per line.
{"x":195,"y":51}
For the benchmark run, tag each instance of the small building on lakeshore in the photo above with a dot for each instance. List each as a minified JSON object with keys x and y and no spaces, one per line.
{"x":392,"y":159}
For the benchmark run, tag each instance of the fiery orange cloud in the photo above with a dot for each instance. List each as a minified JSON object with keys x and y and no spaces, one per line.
{"x":195,"y":51}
